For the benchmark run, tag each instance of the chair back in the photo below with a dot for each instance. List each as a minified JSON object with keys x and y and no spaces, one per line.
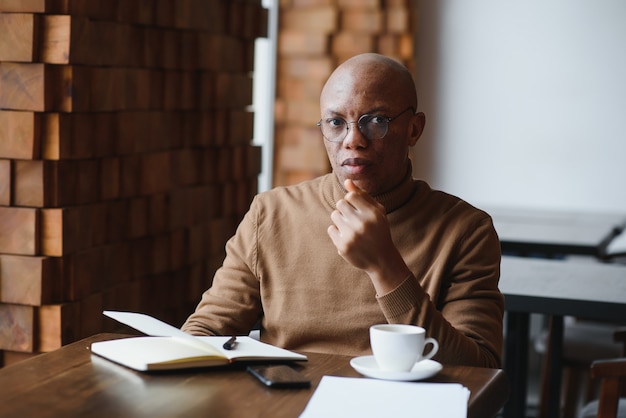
{"x":612,"y":374}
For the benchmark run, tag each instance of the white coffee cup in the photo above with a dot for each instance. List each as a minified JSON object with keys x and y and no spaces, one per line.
{"x":397,"y":347}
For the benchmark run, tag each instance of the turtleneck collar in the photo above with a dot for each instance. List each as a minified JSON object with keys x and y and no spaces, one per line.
{"x":391,"y":200}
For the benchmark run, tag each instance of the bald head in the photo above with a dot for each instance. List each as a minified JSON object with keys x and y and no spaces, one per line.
{"x":370,"y":73}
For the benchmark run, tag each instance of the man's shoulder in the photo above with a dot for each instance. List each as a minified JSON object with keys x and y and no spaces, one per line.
{"x":448,"y":202}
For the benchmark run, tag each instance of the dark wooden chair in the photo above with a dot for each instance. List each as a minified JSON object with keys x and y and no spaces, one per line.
{"x":611,"y":373}
{"x":583,"y":343}
{"x":611,"y":402}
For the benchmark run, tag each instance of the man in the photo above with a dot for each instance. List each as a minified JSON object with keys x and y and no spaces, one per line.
{"x":320,"y":262}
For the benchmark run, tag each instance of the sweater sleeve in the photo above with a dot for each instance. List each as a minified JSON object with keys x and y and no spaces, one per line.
{"x":232,"y":305}
{"x":462,"y":308}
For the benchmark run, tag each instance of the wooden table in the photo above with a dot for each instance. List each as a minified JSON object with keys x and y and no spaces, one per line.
{"x":557,"y":288}
{"x":530,"y":231}
{"x":73,"y":382}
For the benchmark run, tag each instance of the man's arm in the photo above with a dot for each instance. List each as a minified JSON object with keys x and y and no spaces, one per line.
{"x":466,"y":318}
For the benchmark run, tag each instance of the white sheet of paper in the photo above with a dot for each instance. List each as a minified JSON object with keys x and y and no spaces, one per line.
{"x":345,"y":397}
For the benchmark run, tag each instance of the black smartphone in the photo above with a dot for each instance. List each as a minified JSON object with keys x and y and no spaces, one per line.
{"x":279,"y":376}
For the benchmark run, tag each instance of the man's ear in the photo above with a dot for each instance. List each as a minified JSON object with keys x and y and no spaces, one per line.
{"x":417,"y":127}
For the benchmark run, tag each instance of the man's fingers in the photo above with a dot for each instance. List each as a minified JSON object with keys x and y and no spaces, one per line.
{"x":351,"y":187}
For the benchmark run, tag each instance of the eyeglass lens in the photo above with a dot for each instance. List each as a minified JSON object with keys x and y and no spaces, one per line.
{"x":372,"y":127}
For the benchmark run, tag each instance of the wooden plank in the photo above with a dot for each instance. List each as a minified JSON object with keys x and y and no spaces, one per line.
{"x":253,"y":160}
{"x":158,"y":213}
{"x":56,"y":39}
{"x":12,"y":357}
{"x":188,"y":86}
{"x":227,"y":198}
{"x":241,"y":127}
{"x":140,"y":256}
{"x":78,"y":267}
{"x":109,"y":178}
{"x":116,"y":221}
{"x":69,"y":229}
{"x":144,"y":12}
{"x":20,"y":231}
{"x":164,"y":13}
{"x":178,"y":249}
{"x":53,"y":140}
{"x":184,"y":170}
{"x":91,"y":318}
{"x":172,"y":92}
{"x":138,"y":90}
{"x":52,"y":232}
{"x":17,"y":328}
{"x":34,"y":183}
{"x":39,"y":183}
{"x":30,"y":280}
{"x":78,"y":135}
{"x":137,"y":217}
{"x":209,"y":48}
{"x":69,"y":39}
{"x":104,"y":129}
{"x":197,"y":245}
{"x":29,"y":189}
{"x":67,"y":88}
{"x":294,"y":41}
{"x":20,"y":135}
{"x":233,"y":90}
{"x":160,"y":253}
{"x":86,"y":175}
{"x":82,"y":139}
{"x":105,"y":10}
{"x":5,"y":183}
{"x":136,"y":11}
{"x":155,"y":173}
{"x":36,"y":87}
{"x":19,"y":41}
{"x":22,"y":86}
{"x":130,"y":174}
{"x":58,"y":325}
{"x":33,"y":6}
{"x":238,"y":171}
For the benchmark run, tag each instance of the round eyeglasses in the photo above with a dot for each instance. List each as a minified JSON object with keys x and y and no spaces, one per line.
{"x":371,"y":126}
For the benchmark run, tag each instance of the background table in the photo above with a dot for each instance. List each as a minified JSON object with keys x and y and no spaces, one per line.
{"x":557,"y":288}
{"x":72,"y":382}
{"x":528,"y":231}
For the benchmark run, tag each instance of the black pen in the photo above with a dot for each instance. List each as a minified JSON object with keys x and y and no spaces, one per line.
{"x":231,"y":343}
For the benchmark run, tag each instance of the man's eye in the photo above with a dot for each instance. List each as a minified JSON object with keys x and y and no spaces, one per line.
{"x":377,"y":119}
{"x":334,"y":123}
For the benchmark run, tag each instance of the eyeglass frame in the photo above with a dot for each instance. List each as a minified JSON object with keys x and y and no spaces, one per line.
{"x":386,"y":119}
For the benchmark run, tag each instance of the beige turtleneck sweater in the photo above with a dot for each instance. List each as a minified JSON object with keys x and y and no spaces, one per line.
{"x":282,"y":267}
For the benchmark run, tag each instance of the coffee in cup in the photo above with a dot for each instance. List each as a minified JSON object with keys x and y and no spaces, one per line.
{"x":397,"y":347}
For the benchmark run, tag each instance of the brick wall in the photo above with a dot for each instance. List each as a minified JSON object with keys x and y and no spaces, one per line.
{"x":125,"y":159}
{"x":314,"y":36}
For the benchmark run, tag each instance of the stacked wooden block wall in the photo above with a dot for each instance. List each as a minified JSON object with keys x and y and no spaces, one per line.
{"x":314,"y":36}
{"x":125,"y":159}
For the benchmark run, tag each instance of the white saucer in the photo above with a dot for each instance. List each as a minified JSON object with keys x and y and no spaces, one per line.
{"x":367,"y":366}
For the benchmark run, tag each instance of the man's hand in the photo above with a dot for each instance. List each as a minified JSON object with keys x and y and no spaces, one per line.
{"x":361,"y":234}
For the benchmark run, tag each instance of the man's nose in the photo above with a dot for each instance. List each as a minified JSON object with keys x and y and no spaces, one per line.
{"x":354,"y":137}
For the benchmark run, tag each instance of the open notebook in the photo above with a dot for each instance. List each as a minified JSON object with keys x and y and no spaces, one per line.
{"x":169,"y":348}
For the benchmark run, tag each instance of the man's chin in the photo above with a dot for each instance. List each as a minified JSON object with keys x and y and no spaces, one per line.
{"x":363,"y":184}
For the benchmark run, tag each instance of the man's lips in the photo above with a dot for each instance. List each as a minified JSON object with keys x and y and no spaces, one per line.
{"x":355,"y":162}
{"x":355,"y":166}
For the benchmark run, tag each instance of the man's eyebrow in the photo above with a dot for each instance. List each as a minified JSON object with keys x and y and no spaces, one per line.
{"x":375,"y":110}
{"x":332,"y":112}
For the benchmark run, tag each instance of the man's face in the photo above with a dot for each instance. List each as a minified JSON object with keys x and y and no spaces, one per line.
{"x":377,"y":165}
